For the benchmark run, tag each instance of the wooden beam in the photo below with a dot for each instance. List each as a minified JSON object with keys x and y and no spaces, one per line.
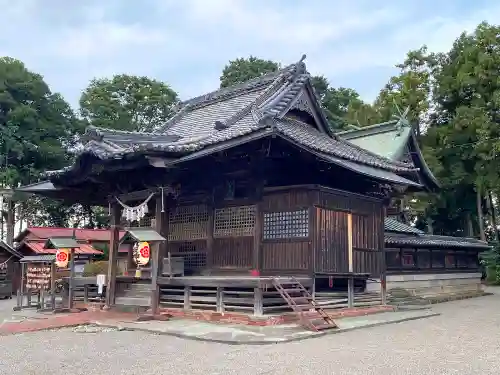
{"x":113,"y":254}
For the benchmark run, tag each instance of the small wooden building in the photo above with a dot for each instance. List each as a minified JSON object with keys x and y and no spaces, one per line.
{"x":9,"y":270}
{"x":423,"y":264}
{"x":31,"y":242}
{"x":247,"y":184}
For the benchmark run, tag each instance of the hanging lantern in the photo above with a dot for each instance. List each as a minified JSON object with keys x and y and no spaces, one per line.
{"x":62,"y":258}
{"x":142,"y":253}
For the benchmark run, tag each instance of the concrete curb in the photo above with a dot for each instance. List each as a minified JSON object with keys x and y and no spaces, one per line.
{"x":265,"y":342}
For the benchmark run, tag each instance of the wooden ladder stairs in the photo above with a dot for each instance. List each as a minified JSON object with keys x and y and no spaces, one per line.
{"x":311,"y":315}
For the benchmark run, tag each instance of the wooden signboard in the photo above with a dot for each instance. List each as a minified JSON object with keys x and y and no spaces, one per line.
{"x":38,"y":277}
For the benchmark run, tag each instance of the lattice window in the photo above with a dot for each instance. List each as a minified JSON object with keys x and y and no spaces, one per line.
{"x":194,"y":259}
{"x":234,"y":221}
{"x":188,"y":223}
{"x":289,"y":224}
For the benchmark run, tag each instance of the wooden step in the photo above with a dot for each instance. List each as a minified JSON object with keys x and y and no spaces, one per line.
{"x":322,"y":327}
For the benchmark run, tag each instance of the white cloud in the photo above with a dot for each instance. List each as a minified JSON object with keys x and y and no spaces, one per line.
{"x":187,"y":43}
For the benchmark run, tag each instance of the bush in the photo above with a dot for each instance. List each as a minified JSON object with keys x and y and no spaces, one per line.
{"x":95,"y":268}
{"x":490,"y":260}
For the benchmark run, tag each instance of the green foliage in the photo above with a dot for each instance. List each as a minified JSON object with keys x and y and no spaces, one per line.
{"x":96,"y":268}
{"x":490,"y":261}
{"x":242,"y":70}
{"x":127,"y":103}
{"x":104,"y":247}
{"x":38,"y":126}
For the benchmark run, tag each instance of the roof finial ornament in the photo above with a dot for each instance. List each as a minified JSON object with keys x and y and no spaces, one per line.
{"x":302,"y":58}
{"x":402,"y":116}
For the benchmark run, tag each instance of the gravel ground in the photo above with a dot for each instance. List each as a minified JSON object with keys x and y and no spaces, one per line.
{"x":464,"y":340}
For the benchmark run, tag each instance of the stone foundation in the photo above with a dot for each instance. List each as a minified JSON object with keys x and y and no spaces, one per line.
{"x":286,"y":318}
{"x":431,"y":284}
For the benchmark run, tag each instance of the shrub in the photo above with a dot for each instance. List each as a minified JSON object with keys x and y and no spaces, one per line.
{"x":490,"y":260}
{"x":96,"y":268}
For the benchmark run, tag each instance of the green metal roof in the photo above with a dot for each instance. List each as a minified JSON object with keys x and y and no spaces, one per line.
{"x":392,"y":140}
{"x":388,"y":139}
{"x":142,"y":234}
{"x":61,"y":243}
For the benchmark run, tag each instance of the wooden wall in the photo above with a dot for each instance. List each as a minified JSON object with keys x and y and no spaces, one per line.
{"x":330,"y":236}
{"x":292,"y":230}
{"x":292,"y":254}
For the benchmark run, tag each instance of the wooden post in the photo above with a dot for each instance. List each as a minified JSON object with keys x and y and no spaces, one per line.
{"x":383,"y":265}
{"x":220,"y":299}
{"x":350,"y":292}
{"x":10,"y":221}
{"x":71,"y":278}
{"x":41,"y":304}
{"x":210,"y":237}
{"x":53,"y":285}
{"x":187,"y":298}
{"x":20,"y":298}
{"x":85,"y":294}
{"x":258,"y":308}
{"x":257,"y":239}
{"x":349,"y":243}
{"x":113,"y":254}
{"x":350,"y":280}
{"x":157,"y":255}
{"x":383,"y":289}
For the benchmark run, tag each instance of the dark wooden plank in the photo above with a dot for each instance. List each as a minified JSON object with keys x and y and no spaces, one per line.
{"x":113,"y":254}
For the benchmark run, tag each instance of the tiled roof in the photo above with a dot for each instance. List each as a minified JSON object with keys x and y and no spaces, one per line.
{"x":44,"y":233}
{"x":397,"y":233}
{"x":392,"y":225}
{"x":38,"y":248}
{"x":259,"y":105}
{"x":427,"y":240}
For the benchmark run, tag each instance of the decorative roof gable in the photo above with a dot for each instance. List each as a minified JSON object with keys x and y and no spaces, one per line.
{"x":396,"y":141}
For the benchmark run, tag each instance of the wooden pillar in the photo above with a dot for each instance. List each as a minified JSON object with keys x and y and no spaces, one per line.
{"x":258,"y":304}
{"x":113,"y":254}
{"x":157,"y":254}
{"x":187,"y":297}
{"x":220,"y":299}
{"x":11,"y":221}
{"x":20,"y":296}
{"x":71,"y":278}
{"x":383,"y":263}
{"x":257,"y":239}
{"x":210,"y":237}
{"x":53,"y":285}
{"x":350,"y":257}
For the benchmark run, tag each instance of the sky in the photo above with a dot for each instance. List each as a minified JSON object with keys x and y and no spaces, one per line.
{"x":187,"y":43}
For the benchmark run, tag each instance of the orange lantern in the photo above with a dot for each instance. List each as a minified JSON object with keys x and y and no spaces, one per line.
{"x":143,"y":253}
{"x":62,"y":258}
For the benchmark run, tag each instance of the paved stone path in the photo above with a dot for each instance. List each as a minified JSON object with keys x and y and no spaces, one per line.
{"x":464,"y":340}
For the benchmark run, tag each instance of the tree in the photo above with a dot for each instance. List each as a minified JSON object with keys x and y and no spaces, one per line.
{"x":37,"y":127}
{"x":127,"y":103}
{"x":464,"y":127}
{"x":245,"y":69}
